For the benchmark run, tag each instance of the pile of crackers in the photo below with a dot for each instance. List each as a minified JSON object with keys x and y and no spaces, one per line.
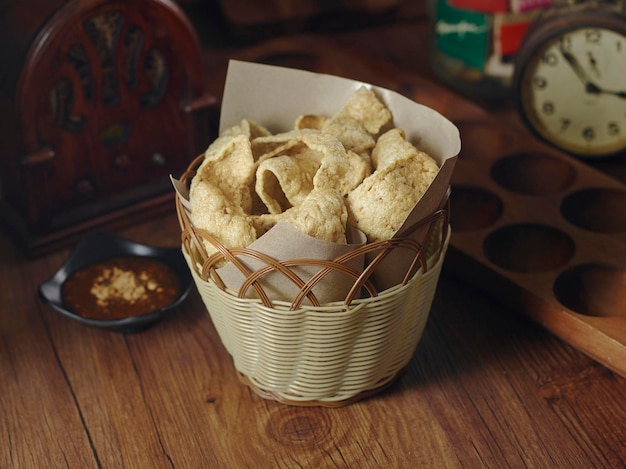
{"x":328,"y":172}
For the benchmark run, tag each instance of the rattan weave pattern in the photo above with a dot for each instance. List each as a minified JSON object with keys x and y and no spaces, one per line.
{"x":326,"y":354}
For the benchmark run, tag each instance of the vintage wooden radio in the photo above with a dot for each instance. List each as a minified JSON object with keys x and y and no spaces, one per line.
{"x":99,"y":102}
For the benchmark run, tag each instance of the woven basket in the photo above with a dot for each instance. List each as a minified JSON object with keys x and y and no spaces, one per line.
{"x":319,"y":354}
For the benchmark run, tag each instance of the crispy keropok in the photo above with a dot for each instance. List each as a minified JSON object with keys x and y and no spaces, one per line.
{"x":353,"y":167}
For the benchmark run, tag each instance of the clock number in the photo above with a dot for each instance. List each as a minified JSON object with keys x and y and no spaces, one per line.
{"x":565,"y":123}
{"x":540,"y":82}
{"x":593,"y":36}
{"x":613,"y":128}
{"x":550,"y":58}
{"x":589,"y":134}
{"x":548,"y":107}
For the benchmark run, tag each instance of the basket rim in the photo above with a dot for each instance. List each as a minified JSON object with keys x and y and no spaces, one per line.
{"x":334,"y":306}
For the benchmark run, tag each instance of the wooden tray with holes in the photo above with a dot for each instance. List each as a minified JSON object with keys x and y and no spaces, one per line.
{"x":542,"y":231}
{"x":545,"y":233}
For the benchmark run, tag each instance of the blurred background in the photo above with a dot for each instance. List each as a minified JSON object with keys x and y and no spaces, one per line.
{"x":73,"y":159}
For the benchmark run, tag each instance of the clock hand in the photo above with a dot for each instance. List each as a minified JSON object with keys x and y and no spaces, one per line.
{"x":594,"y":64}
{"x":578,"y":69}
{"x":591,"y":88}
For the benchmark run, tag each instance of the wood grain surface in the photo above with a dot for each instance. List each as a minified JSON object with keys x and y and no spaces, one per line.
{"x":487,"y":387}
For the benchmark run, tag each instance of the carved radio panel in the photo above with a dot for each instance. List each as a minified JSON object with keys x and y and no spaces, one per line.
{"x":104,"y":100}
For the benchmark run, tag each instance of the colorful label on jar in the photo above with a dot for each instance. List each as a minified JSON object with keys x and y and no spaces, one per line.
{"x":508,"y":33}
{"x":486,"y":6}
{"x":501,"y":6}
{"x":529,"y":5}
{"x":462,"y":34}
{"x":482,"y":41}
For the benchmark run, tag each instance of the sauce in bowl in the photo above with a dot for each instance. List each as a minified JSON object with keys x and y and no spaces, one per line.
{"x":121,"y":287}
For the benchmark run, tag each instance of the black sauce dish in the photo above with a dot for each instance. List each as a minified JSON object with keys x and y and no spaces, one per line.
{"x":100,"y":247}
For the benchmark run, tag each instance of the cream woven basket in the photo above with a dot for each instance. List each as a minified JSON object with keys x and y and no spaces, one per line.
{"x":319,"y":354}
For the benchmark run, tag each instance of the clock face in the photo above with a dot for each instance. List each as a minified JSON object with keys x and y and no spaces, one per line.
{"x":573,"y":91}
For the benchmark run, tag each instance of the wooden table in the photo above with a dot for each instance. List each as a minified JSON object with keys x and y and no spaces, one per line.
{"x":485,"y":388}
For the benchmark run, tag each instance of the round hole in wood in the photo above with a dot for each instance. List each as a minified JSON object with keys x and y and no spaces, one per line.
{"x":528,"y":248}
{"x":602,"y":210}
{"x":533,"y":173}
{"x":593,"y":290}
{"x":472,"y":208}
{"x":480,"y":140}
